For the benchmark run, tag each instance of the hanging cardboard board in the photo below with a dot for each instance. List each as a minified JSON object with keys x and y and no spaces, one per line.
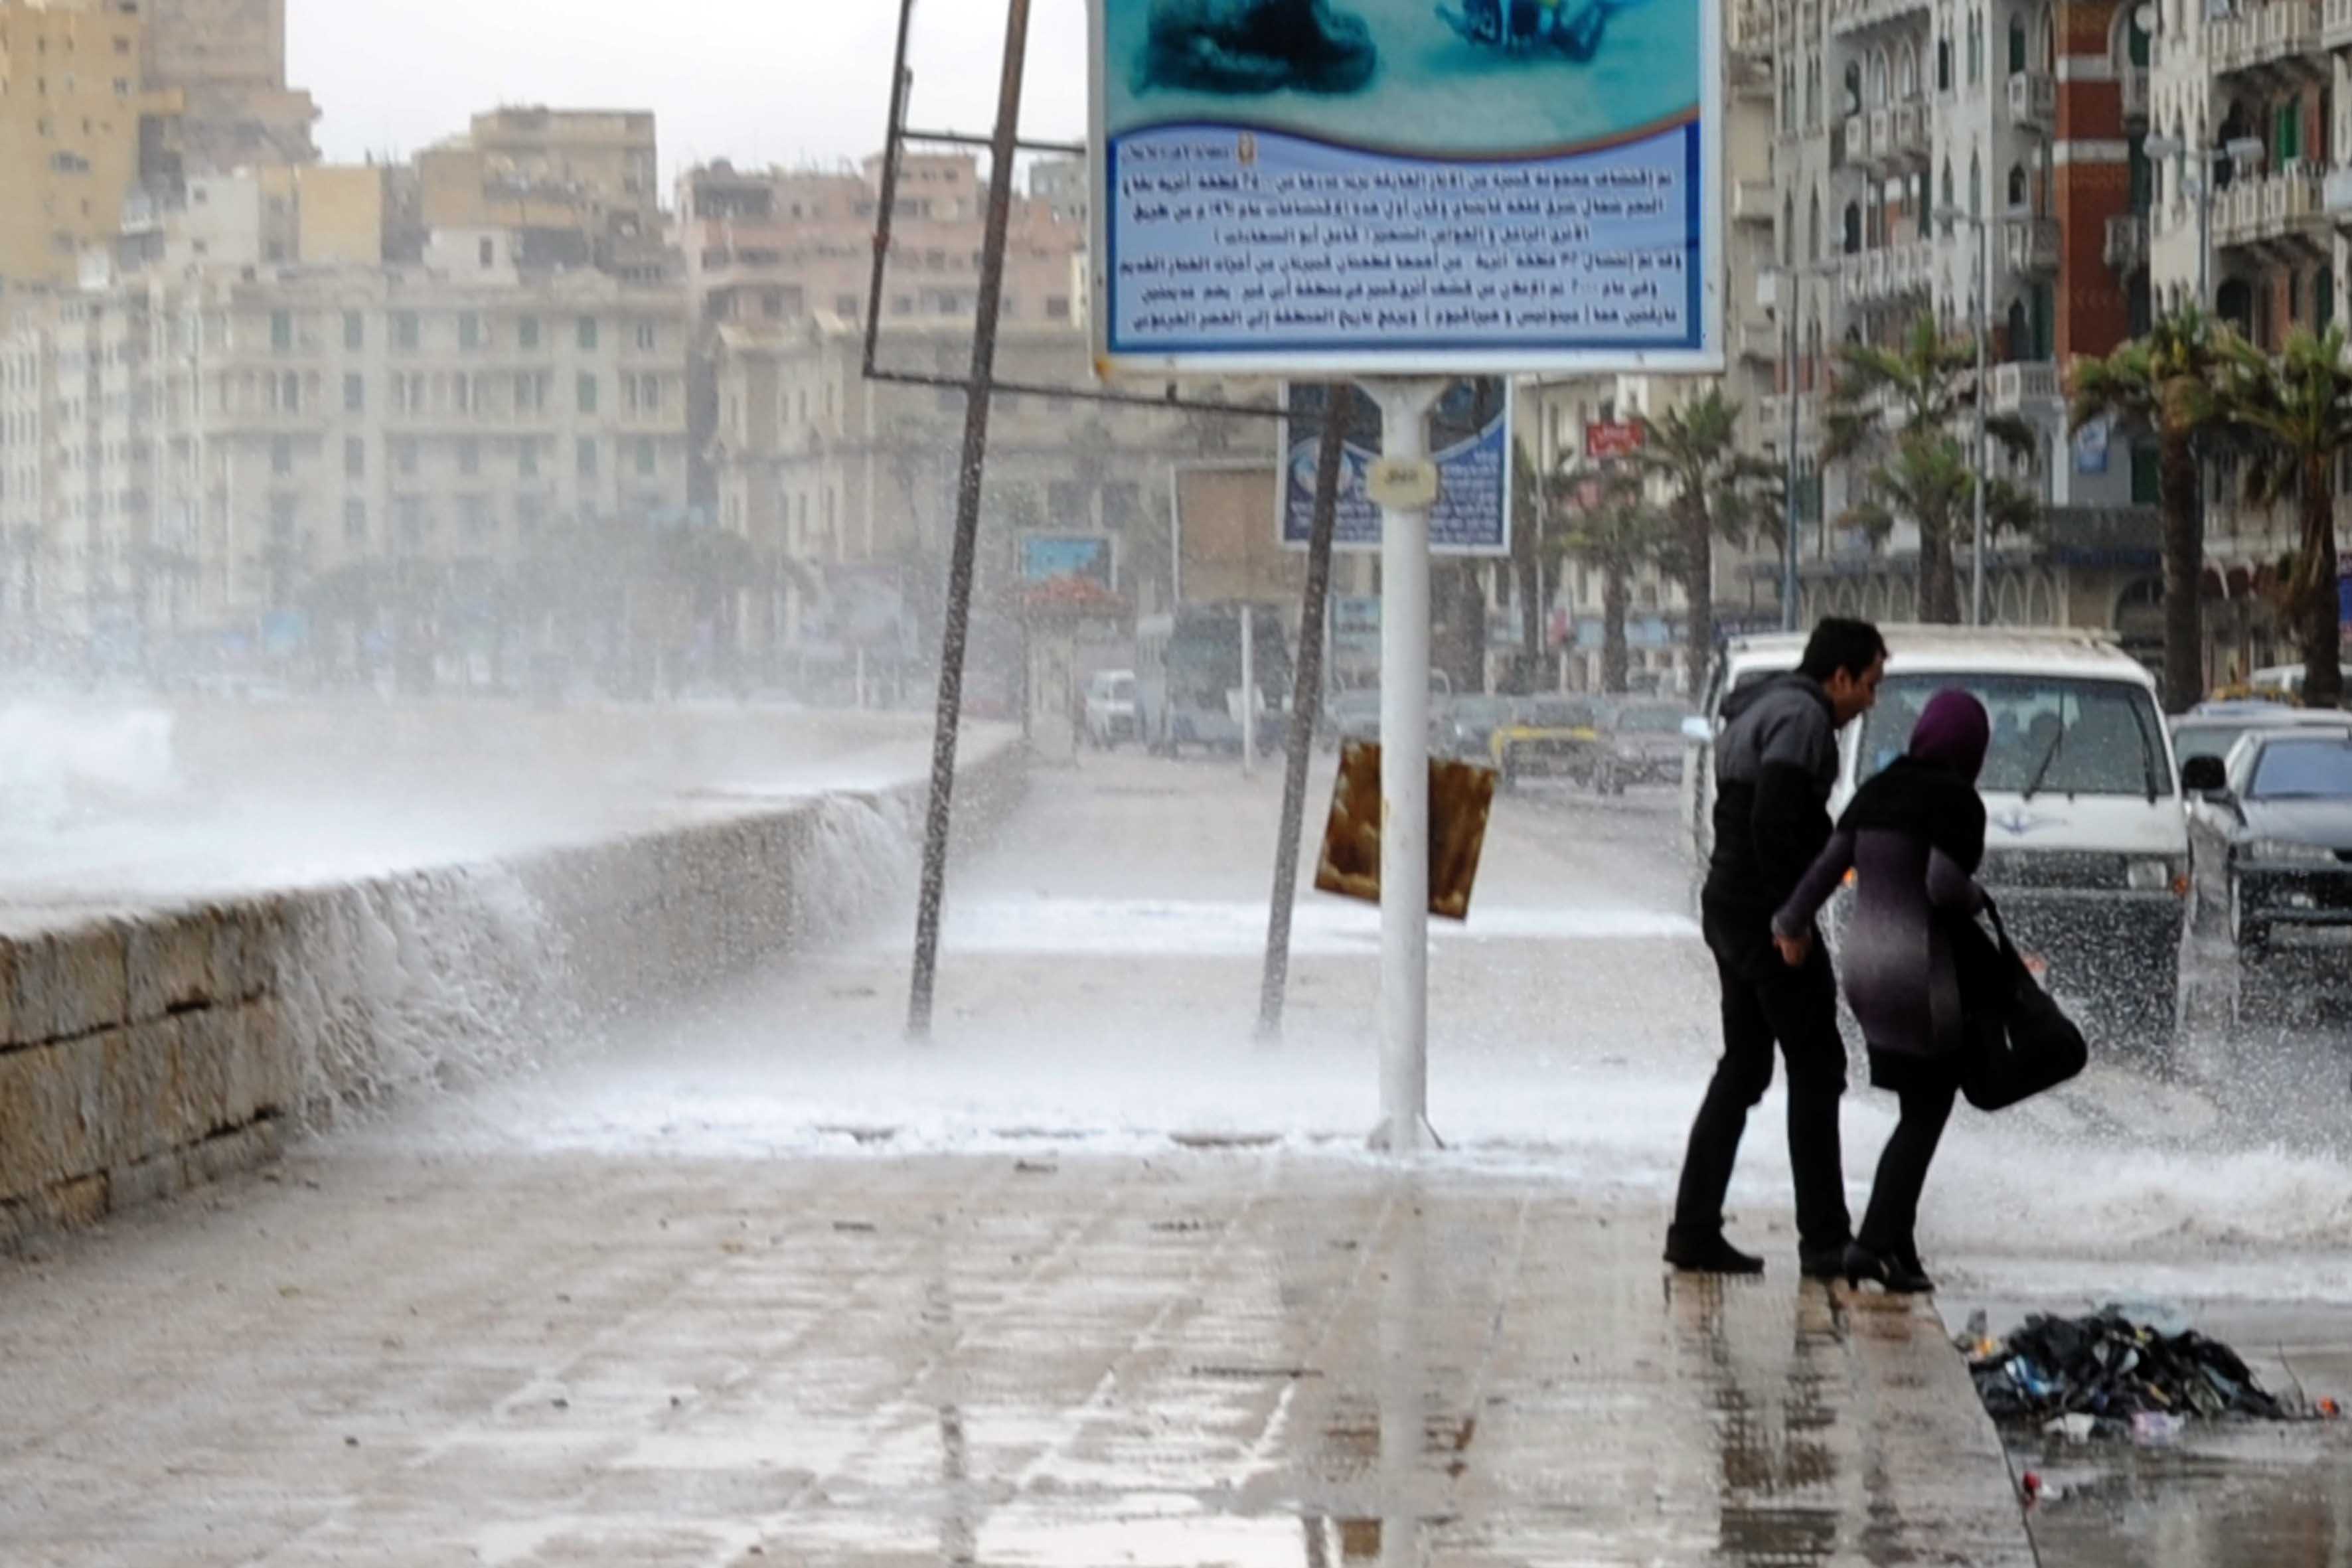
{"x":1461,"y":799}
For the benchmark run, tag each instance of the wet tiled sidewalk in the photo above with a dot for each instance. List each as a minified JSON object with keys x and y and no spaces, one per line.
{"x":1220,"y":1357}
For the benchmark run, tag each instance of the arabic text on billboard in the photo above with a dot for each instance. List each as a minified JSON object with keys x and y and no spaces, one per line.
{"x":1047,"y":557}
{"x":1398,"y":185}
{"x":1469,"y":437}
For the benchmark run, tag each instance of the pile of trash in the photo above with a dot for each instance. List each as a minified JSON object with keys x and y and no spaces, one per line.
{"x":2106,"y":1375}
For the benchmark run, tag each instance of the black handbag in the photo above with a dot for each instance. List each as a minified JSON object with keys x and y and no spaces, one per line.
{"x":2019,"y":1043}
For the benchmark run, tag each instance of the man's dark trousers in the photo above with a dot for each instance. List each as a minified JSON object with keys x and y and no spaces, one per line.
{"x":1765,"y":1001}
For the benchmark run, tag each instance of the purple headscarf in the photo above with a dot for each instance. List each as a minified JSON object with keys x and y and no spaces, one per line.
{"x":1953,"y":732}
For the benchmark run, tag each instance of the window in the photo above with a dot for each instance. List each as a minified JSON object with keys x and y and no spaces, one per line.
{"x":474,"y":515}
{"x":586,"y":457}
{"x":587,"y":390}
{"x":490,"y":254}
{"x":1976,"y":48}
{"x":281,"y":456}
{"x":2146,"y":476}
{"x":1976,"y":186}
{"x":527,"y":331}
{"x":354,"y":393}
{"x":1058,"y":307}
{"x":587,"y":335}
{"x":410,"y":515}
{"x":461,"y":393}
{"x":469,"y":457}
{"x":2017,"y":186}
{"x":645,"y":457}
{"x":531,"y":388}
{"x":355,"y":521}
{"x":282,"y":510}
{"x":2066,"y":736}
{"x":529,"y":513}
{"x":845,"y":306}
{"x":354,"y":457}
{"x":648,"y":337}
{"x":405,"y":331}
{"x":354,"y":331}
{"x":2016,"y":44}
{"x":404,"y":457}
{"x":290,"y":392}
{"x":469,"y":327}
{"x":281,"y":331}
{"x":527,"y":457}
{"x":1943,"y":65}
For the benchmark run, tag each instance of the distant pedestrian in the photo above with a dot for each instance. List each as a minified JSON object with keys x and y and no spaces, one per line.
{"x":1776,"y":762}
{"x":1913,"y":837}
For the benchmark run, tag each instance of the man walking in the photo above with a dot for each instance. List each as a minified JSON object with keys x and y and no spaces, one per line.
{"x":1775,"y":764}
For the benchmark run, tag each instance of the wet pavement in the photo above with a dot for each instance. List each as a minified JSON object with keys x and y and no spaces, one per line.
{"x":1096,"y":1279}
{"x":1201,"y":1358}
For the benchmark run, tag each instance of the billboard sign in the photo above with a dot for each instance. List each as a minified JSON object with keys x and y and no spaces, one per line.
{"x":1051,"y":557}
{"x":1469,"y":439}
{"x":1604,"y":439}
{"x":1388,"y":187}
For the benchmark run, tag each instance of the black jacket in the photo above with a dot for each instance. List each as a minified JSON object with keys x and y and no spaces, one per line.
{"x":1775,"y":765}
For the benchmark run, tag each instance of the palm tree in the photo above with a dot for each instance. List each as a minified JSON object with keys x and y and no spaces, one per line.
{"x":2165,"y":383}
{"x":1930,"y":481}
{"x":1614,"y":530}
{"x":1713,"y":488}
{"x":1915,"y":394}
{"x":2294,"y":413}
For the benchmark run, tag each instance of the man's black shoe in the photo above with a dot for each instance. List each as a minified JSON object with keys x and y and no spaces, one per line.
{"x":1710,"y":1254}
{"x":1822,"y":1262}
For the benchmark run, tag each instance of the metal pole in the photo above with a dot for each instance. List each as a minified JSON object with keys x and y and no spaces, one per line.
{"x":2205,"y":238}
{"x":1249,"y":691}
{"x":1305,"y":705}
{"x":958,"y":630}
{"x":1788,"y":612}
{"x":1984,"y":330}
{"x":1404,"y":782}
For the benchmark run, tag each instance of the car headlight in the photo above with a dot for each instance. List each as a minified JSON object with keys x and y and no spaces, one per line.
{"x":2285,"y":852}
{"x":2151,"y":876}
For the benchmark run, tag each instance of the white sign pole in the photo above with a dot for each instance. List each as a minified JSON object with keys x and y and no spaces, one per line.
{"x":1404,"y":761}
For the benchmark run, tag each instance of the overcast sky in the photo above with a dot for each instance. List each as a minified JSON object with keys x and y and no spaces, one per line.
{"x":755,"y":81}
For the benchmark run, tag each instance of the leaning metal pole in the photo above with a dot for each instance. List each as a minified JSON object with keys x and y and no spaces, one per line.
{"x":958,"y":630}
{"x":1305,"y":705}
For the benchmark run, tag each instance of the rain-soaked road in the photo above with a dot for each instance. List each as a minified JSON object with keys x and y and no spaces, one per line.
{"x":1095,"y":1279}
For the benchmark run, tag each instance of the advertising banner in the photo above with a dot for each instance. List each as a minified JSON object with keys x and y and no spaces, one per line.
{"x":1394,"y":186}
{"x":1049,"y":557}
{"x":1469,"y":438}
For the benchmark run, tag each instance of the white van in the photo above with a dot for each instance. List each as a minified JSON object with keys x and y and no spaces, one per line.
{"x":2087,"y":843}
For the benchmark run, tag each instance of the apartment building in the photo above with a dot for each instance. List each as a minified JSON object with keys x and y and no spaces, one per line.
{"x":581,"y":185}
{"x":1555,"y":415}
{"x":226,"y":59}
{"x":77,"y":123}
{"x":1978,"y":160}
{"x":190,"y":451}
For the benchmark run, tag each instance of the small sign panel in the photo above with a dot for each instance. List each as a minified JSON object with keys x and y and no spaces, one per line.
{"x":1408,"y":484}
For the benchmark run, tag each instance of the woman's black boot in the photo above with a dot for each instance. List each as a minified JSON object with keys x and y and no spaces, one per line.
{"x":1896,"y":1276}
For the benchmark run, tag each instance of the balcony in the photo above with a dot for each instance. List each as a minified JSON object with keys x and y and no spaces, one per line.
{"x":1891,"y":272}
{"x":2290,"y":206}
{"x":1751,"y":201}
{"x":2034,"y":100}
{"x":2134,"y":86}
{"x":1751,"y":27}
{"x":2126,"y":247}
{"x":2024,"y":388}
{"x":2030,"y":245}
{"x":1854,"y":16}
{"x":2281,"y":38}
{"x":1855,"y":149}
{"x":1759,"y":338}
{"x":1911,"y":133}
{"x":2338,"y":190}
{"x":2336,"y":24}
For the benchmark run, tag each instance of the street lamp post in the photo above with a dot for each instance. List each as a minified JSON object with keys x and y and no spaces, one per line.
{"x":1769,"y":287}
{"x":1984,"y":227}
{"x":2240,"y":150}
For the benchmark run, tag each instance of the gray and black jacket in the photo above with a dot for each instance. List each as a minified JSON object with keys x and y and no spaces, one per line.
{"x":1775,"y":765}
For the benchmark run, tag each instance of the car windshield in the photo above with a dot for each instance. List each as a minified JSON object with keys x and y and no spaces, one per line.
{"x":1654,"y":719}
{"x":2051,"y":735}
{"x":1560,"y":713}
{"x":1122,"y":690}
{"x":2304,"y":770}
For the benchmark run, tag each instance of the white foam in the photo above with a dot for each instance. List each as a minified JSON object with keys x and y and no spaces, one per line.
{"x":1208,"y":928}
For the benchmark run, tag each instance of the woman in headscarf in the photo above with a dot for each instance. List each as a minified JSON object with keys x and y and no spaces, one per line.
{"x":1913,"y":837}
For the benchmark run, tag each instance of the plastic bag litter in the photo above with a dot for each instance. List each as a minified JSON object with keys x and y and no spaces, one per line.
{"x":2098,"y":1374}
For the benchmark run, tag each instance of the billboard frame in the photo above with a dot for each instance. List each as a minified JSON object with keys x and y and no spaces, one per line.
{"x":1709,"y":358}
{"x":1291,"y":445}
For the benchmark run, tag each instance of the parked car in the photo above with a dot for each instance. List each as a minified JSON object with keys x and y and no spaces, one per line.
{"x":2087,"y":842}
{"x":2271,"y":824}
{"x":1642,"y":742}
{"x":1550,"y":737}
{"x":1110,"y":708}
{"x":2211,"y":729}
{"x":1464,"y":727}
